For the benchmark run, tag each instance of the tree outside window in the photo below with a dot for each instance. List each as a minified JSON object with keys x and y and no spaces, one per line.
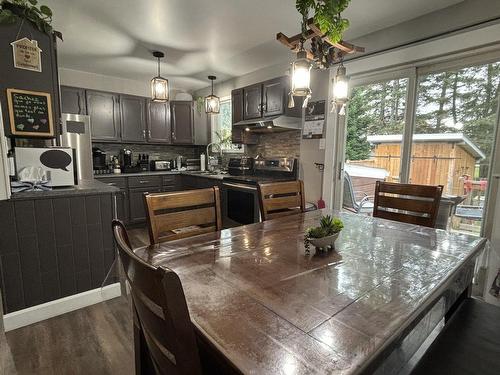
{"x":222,"y":127}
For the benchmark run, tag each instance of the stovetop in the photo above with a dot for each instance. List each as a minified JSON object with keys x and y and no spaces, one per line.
{"x":256,"y":179}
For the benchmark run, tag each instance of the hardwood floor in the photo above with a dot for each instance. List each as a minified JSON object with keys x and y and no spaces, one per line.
{"x":94,"y":340}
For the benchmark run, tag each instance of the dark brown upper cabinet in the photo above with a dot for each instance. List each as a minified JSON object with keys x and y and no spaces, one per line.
{"x":238,"y":133}
{"x":133,"y":118}
{"x":159,"y":130}
{"x":273,"y":97}
{"x":182,"y":113}
{"x":252,"y":102}
{"x":104,"y":111}
{"x":73,"y":100}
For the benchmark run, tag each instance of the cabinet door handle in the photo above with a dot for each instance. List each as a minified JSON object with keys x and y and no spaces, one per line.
{"x":143,"y":181}
{"x":144,"y":134}
{"x":112,"y":183}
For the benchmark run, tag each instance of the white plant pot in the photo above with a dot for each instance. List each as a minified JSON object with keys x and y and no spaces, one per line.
{"x":325,"y":241}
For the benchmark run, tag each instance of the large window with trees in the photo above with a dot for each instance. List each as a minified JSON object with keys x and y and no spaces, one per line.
{"x":452,"y":138}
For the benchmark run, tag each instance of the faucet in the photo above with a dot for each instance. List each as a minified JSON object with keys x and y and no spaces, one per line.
{"x":212,"y":160}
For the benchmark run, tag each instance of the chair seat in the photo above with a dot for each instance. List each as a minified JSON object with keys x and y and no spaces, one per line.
{"x":469,"y":343}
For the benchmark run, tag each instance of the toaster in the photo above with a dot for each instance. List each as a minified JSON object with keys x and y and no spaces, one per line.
{"x":160,"y":165}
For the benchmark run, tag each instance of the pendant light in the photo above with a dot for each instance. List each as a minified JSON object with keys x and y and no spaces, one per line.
{"x":301,"y":77}
{"x":340,"y":90}
{"x":159,"y":85}
{"x":212,"y":102}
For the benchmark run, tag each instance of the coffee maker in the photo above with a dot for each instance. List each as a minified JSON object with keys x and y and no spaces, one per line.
{"x":99,"y":161}
{"x":126,"y":160}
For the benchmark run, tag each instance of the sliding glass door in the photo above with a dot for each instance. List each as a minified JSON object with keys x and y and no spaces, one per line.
{"x":453,"y":138}
{"x":435,"y":126}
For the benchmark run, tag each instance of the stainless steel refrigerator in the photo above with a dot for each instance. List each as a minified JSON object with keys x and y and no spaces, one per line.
{"x":76,"y":133}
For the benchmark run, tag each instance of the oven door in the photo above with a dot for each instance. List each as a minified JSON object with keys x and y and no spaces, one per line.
{"x":241,"y":204}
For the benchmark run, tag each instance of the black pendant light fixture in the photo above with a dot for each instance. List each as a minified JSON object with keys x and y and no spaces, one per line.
{"x":159,"y":85}
{"x":212,"y":102}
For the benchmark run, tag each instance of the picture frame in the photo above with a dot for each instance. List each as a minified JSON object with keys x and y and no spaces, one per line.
{"x":30,"y":113}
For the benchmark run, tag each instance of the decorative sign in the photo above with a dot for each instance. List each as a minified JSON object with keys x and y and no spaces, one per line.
{"x":314,"y":120}
{"x":30,"y":113}
{"x":27,"y":54}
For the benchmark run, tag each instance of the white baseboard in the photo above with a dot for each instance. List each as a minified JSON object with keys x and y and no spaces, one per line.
{"x":60,"y":306}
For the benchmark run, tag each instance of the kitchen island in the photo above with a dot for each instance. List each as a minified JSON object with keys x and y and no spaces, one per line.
{"x":55,"y":243}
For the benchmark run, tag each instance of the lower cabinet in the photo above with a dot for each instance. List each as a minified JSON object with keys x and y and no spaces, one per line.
{"x":130,"y":206}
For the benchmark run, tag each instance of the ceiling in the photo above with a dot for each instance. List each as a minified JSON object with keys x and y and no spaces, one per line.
{"x":221,"y":37}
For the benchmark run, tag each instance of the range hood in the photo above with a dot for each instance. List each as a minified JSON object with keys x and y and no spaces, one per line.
{"x":273,"y":124}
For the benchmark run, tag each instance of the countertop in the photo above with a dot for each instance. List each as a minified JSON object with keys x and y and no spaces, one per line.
{"x":84,"y":187}
{"x":216,"y":176}
{"x":272,"y":309}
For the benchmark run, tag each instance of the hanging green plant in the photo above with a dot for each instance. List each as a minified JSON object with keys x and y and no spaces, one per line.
{"x":40,"y":16}
{"x":200,"y":104}
{"x":327,"y":16}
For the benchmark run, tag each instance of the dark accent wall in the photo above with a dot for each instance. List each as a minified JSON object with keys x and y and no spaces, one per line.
{"x":53,"y":248}
{"x":10,"y":77}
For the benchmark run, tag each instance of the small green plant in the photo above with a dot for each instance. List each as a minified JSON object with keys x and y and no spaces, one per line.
{"x":40,"y":16}
{"x":327,"y":16}
{"x":329,"y":225}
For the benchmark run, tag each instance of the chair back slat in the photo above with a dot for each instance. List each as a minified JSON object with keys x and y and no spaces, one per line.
{"x":280,"y":199}
{"x":408,"y":203}
{"x":183,"y":214}
{"x":162,"y":312}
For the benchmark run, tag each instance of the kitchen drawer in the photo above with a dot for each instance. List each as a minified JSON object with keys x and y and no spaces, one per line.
{"x":169,"y":180}
{"x":144,"y":181}
{"x":120,"y":182}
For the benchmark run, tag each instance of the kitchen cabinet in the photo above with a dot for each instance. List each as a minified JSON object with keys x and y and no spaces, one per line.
{"x":182,"y":122}
{"x":273,"y":97}
{"x":133,"y":119}
{"x":159,"y":130}
{"x":136,"y":203}
{"x":252,"y":102}
{"x":238,"y":133}
{"x":121,"y":198}
{"x":73,"y":100}
{"x":104,"y":111}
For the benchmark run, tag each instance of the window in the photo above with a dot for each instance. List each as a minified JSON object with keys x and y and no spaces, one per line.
{"x":446,"y":138}
{"x":222,"y":127}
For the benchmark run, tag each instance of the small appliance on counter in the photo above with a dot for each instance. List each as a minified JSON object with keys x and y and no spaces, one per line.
{"x":126,"y":162}
{"x":160,"y":165}
{"x":193,"y":164}
{"x":143,"y":163}
{"x":57,"y":164}
{"x":99,"y":161}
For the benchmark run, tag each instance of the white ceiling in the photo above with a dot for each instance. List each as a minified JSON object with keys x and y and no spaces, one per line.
{"x":200,"y":37}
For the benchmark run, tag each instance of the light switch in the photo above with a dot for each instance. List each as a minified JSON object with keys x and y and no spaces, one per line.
{"x":322,"y":144}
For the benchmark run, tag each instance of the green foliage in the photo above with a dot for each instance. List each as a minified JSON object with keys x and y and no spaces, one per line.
{"x":329,"y":225}
{"x":326,"y":16}
{"x":13,"y":10}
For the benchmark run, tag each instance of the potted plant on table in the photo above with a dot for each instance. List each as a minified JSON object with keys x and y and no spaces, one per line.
{"x":324,"y":236}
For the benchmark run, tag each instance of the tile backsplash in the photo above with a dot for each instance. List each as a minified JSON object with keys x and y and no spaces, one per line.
{"x":283,"y":144}
{"x":155,"y":152}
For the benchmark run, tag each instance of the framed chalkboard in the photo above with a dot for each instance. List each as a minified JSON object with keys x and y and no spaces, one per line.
{"x":30,"y":113}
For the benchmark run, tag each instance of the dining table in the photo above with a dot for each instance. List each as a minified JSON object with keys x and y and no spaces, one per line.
{"x":269,"y":306}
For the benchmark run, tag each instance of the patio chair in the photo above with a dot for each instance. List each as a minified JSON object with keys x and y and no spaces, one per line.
{"x":363,"y":206}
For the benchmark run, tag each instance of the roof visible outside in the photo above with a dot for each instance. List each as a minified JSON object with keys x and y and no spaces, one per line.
{"x":440,"y":137}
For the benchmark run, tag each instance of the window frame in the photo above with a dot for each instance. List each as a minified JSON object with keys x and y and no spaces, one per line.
{"x":216,"y":126}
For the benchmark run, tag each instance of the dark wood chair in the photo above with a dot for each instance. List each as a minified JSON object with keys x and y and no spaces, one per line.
{"x":468,"y":344}
{"x":164,"y":337}
{"x":407,"y":203}
{"x":279,"y":199}
{"x":183,"y":214}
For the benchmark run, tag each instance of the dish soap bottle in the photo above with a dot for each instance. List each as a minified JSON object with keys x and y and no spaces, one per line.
{"x":202,"y":162}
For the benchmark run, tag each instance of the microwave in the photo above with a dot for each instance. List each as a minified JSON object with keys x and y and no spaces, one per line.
{"x":57,"y":163}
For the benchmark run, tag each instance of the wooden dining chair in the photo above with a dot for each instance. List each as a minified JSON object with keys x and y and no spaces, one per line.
{"x":164,"y":337}
{"x":407,"y":203}
{"x":183,"y":214}
{"x":279,"y":199}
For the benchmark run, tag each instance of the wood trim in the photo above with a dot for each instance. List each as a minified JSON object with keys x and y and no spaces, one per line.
{"x":10,"y":105}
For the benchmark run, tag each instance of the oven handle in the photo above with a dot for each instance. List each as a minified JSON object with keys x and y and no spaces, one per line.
{"x":239,"y":186}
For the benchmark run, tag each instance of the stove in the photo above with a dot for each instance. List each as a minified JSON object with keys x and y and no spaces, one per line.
{"x":240,"y":195}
